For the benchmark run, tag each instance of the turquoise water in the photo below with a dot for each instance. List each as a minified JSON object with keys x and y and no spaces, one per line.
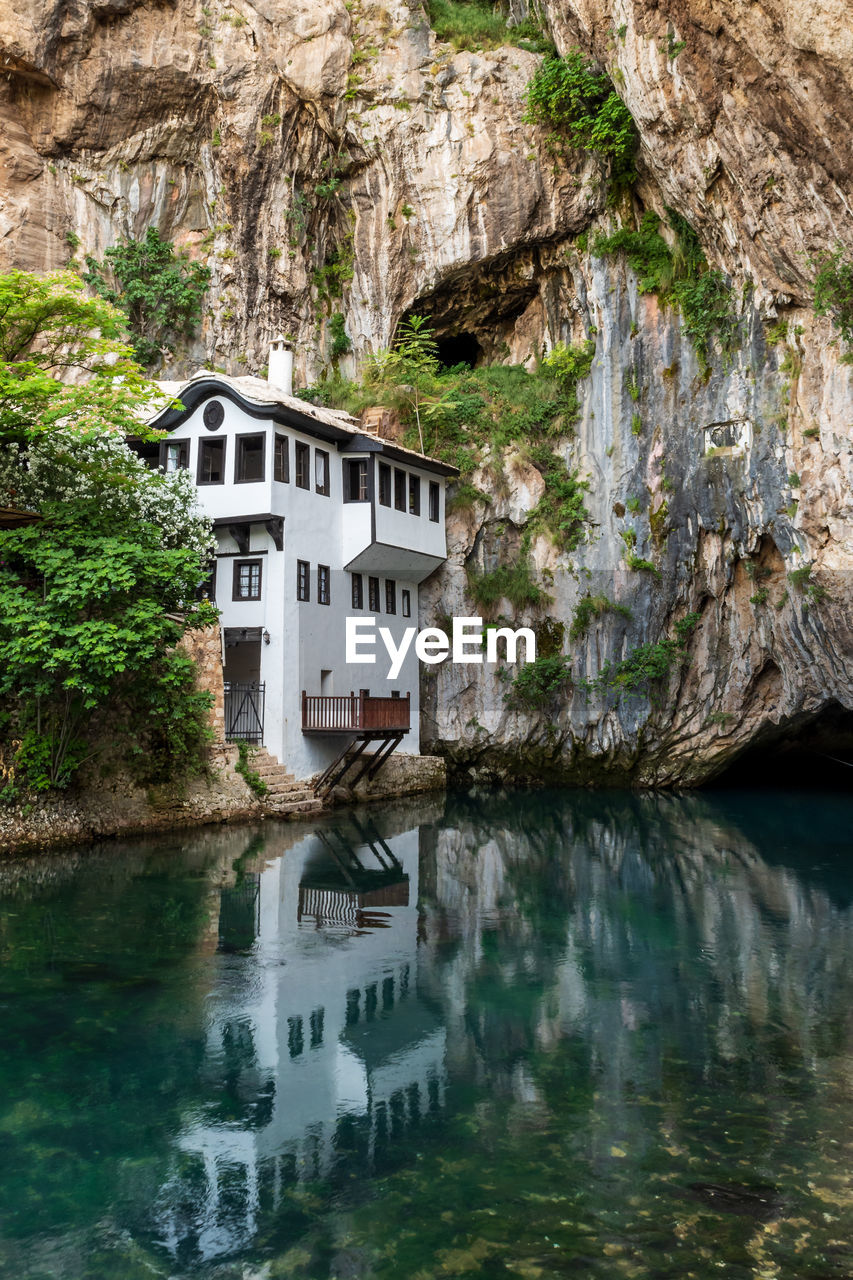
{"x":566,"y":1034}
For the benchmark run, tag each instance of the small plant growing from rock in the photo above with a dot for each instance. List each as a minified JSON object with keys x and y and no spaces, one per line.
{"x":251,"y":777}
{"x":593,"y":607}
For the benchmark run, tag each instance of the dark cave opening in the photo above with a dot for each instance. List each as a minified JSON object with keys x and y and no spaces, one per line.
{"x":816,"y":754}
{"x":459,"y":348}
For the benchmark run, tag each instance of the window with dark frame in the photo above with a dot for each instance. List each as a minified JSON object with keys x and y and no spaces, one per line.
{"x":399,"y":490}
{"x":321,"y":472}
{"x":250,"y":461}
{"x":373,"y":594}
{"x":355,"y":480}
{"x":384,"y":484}
{"x":303,"y":580}
{"x":303,"y":465}
{"x":433,"y":501}
{"x":206,"y":589}
{"x":247,"y":580}
{"x":390,"y":595}
{"x":211,"y":462}
{"x":406,"y":602}
{"x":324,"y":595}
{"x":176,"y":455}
{"x":281,"y":460}
{"x":414,"y":496}
{"x":357,"y":591}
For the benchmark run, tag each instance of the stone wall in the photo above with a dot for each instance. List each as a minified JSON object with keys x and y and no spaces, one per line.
{"x":118,"y":806}
{"x":401,"y":776}
{"x":205,"y":648}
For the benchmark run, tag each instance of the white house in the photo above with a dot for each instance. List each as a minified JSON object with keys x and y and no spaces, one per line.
{"x":315,"y":520}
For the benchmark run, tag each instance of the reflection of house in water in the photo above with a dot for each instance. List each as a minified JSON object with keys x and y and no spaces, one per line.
{"x":319,"y":1052}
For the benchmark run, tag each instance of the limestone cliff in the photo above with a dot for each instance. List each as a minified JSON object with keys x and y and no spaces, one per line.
{"x":328,"y":158}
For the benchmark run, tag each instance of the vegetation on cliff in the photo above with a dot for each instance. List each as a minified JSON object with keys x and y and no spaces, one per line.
{"x":578,"y":106}
{"x":158,"y":289}
{"x":97,"y":592}
{"x":478,"y":24}
{"x":680,"y":276}
{"x":833,"y":296}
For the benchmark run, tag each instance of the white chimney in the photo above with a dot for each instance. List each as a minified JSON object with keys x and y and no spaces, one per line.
{"x":280,"y":367}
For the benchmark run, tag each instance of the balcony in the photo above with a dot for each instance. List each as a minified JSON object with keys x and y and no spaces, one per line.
{"x":356,"y":713}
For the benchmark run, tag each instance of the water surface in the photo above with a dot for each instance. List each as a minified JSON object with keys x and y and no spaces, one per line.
{"x":565,"y":1034}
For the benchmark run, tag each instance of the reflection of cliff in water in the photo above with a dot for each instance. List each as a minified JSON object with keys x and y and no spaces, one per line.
{"x":320,"y":1055}
{"x":631,"y":915}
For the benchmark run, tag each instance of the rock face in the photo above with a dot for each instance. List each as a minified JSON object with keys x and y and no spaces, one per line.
{"x":331,"y":159}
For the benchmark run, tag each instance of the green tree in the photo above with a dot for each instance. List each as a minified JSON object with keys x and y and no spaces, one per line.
{"x":159,"y":290}
{"x":64,"y":359}
{"x":95,"y":596}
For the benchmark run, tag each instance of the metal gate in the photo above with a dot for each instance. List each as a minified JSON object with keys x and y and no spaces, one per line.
{"x":244,"y":712}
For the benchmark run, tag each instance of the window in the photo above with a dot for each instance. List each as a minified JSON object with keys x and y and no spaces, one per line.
{"x":433,"y":501}
{"x":384,"y":484}
{"x":250,"y":459}
{"x":303,"y":580}
{"x":211,"y":462}
{"x":373,"y":594}
{"x":323,"y":590}
{"x":206,"y":589}
{"x":321,"y":472}
{"x":399,"y":490}
{"x":355,"y":480}
{"x":357,"y":591}
{"x":247,"y":580}
{"x":414,"y":496}
{"x":406,"y":597}
{"x":390,"y":595}
{"x":281,"y":459}
{"x":176,"y":455}
{"x":303,"y":464}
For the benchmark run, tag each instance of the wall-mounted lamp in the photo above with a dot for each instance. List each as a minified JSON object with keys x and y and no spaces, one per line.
{"x":266,"y":637}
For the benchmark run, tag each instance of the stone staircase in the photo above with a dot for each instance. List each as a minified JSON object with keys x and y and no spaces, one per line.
{"x":285,"y":796}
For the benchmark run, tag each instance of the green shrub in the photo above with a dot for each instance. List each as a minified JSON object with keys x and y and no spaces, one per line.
{"x":340,"y":340}
{"x":647,"y":664}
{"x":512,"y":582}
{"x":467,"y":24}
{"x":833,"y":294}
{"x":561,"y":511}
{"x":577,"y":103}
{"x":802,"y":580}
{"x":570,"y":365}
{"x":680,"y":276}
{"x":539,"y":683}
{"x":478,"y":24}
{"x":159,"y":290}
{"x":593,"y":607}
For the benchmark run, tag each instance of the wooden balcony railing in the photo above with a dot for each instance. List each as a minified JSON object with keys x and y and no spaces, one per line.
{"x":355,"y":713}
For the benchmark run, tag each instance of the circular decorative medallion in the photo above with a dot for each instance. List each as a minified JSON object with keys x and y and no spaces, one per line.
{"x":214,"y":415}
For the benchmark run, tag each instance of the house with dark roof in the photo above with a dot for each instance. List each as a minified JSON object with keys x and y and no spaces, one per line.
{"x":316,"y":520}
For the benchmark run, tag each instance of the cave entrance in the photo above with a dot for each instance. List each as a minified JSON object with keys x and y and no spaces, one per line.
{"x":459,"y":348}
{"x":816,"y":753}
